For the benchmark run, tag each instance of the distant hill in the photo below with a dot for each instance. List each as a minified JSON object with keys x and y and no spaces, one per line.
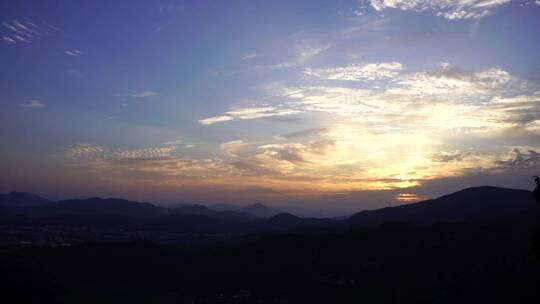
{"x":101,"y":207}
{"x":18,"y":203}
{"x":258,"y":209}
{"x":474,"y":205}
{"x":22,"y":199}
{"x":193,"y":209}
{"x":203,"y":210}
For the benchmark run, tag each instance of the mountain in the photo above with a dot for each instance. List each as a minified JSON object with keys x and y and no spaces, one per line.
{"x":101,"y":207}
{"x":22,"y":199}
{"x":239,"y":215}
{"x":474,"y":205}
{"x":258,"y":209}
{"x":480,"y":205}
{"x":193,"y":209}
{"x":18,"y":203}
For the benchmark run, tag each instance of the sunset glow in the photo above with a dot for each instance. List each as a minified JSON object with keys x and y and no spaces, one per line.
{"x":193,"y":100}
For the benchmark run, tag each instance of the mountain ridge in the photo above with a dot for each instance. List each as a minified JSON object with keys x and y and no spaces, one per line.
{"x":473,"y":205}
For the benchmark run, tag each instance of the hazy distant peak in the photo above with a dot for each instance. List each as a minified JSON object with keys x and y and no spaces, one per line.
{"x":21,"y":199}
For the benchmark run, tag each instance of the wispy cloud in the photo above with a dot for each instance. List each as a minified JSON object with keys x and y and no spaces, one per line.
{"x":144,"y":94}
{"x":11,"y":40}
{"x":26,"y":32}
{"x":455,"y":9}
{"x":249,"y":56}
{"x":73,"y":52}
{"x":249,"y":113}
{"x":215,"y":119}
{"x":34,"y":104}
{"x":306,"y":133}
{"x":84,"y":150}
{"x":356,"y":72}
{"x":303,"y":53}
{"x":94,"y":151}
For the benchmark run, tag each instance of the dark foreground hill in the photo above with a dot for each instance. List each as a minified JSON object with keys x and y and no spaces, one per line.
{"x":397,"y":263}
{"x":487,"y":205}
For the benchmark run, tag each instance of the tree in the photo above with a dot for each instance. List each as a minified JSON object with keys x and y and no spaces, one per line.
{"x":536,"y":191}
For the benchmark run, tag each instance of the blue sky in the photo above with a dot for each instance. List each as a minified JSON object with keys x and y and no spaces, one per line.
{"x":329,"y":105}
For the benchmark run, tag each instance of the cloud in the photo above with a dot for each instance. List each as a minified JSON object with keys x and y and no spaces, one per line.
{"x":306,"y":133}
{"x":396,"y":134}
{"x":84,"y":150}
{"x":155,"y":152}
{"x":454,"y":156}
{"x":451,"y":99}
{"x":303,"y":54}
{"x":372,"y":71}
{"x":176,"y":142}
{"x":450,"y":9}
{"x":215,"y":119}
{"x":258,"y":112}
{"x":233,"y":148}
{"x":144,"y":94}
{"x":249,"y":56}
{"x":411,"y":128}
{"x":34,"y":104}
{"x":462,"y":83}
{"x":248,"y":159}
{"x":292,"y":153}
{"x":249,"y":113}
{"x":27,"y":32}
{"x":522,"y":160}
{"x":74,"y":52}
{"x":93,"y":151}
{"x":448,"y":97}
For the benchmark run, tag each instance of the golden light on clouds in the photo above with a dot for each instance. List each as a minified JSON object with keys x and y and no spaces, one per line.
{"x":373,"y":127}
{"x":408,"y":197}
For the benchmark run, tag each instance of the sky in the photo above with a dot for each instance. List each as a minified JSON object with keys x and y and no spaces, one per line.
{"x":325,"y":106}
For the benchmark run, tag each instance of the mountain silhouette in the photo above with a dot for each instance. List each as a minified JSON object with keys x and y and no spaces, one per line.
{"x":260,"y":210}
{"x":257,"y":209}
{"x":480,"y":205}
{"x":475,"y":205}
{"x":101,"y":207}
{"x":206,"y":211}
{"x":194,"y":209}
{"x":34,"y":206}
{"x":22,"y":199}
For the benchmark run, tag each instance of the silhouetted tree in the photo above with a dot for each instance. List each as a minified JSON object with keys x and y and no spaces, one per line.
{"x":536,"y":191}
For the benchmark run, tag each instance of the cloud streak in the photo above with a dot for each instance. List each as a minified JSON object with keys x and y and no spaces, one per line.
{"x":372,"y":71}
{"x":144,"y":94}
{"x":250,"y":113}
{"x":73,"y":52}
{"x":454,"y":9}
{"x":34,"y":104}
{"x":249,"y":56}
{"x":26,"y":31}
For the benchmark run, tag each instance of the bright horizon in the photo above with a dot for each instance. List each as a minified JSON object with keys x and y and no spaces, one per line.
{"x":335,"y":106}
